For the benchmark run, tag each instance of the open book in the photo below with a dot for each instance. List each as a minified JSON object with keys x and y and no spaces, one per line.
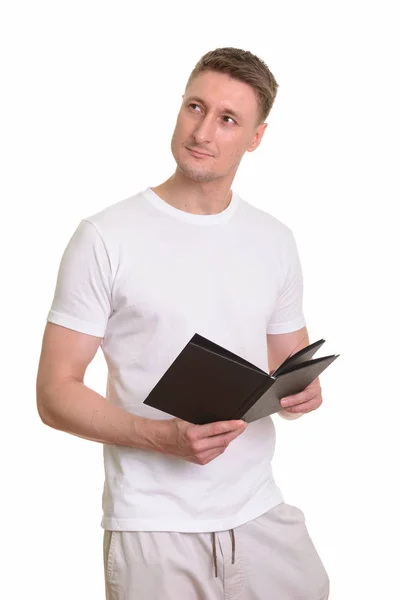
{"x":208,"y":383}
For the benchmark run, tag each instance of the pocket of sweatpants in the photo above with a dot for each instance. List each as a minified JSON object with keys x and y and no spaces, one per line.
{"x":298,"y":510}
{"x":110,"y":539}
{"x":288,"y":512}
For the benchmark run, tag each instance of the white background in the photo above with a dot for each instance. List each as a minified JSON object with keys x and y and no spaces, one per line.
{"x":90,"y":95}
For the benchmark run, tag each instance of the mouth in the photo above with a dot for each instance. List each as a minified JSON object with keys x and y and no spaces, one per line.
{"x":198,"y":154}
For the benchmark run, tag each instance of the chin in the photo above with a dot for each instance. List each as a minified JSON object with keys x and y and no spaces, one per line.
{"x":196,"y":174}
{"x":191,"y":170}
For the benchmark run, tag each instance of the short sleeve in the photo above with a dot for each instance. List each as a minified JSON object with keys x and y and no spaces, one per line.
{"x":82,"y":298}
{"x":288,"y":314}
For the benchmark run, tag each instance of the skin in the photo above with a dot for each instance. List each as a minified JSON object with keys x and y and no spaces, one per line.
{"x":200,"y":185}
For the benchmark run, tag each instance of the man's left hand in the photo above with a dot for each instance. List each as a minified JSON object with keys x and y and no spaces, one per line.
{"x":306,"y":401}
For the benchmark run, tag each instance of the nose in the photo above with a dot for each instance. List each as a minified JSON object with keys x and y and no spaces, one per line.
{"x":204,"y":131}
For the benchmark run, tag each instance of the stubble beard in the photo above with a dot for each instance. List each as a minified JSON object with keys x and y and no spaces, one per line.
{"x":188,"y":170}
{"x":196,"y":174}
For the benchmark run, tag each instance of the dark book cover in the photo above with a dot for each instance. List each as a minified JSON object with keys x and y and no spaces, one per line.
{"x":208,"y":383}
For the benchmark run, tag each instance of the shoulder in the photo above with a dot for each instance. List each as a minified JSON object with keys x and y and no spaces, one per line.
{"x":115,"y":217}
{"x":265,"y":224}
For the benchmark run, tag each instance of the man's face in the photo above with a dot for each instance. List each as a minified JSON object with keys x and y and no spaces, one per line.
{"x":218,"y":117}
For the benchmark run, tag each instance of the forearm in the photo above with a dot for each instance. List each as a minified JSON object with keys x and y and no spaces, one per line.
{"x":72,"y":407}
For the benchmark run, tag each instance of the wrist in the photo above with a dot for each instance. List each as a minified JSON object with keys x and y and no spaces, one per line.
{"x":148,"y":434}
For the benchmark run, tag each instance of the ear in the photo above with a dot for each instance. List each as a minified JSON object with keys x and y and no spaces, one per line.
{"x":257,"y":137}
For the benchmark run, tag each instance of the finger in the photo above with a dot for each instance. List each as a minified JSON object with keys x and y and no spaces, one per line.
{"x":312,"y":390}
{"x":213,"y":429}
{"x":206,"y":457}
{"x":306,"y":395}
{"x":218,"y":441}
{"x":303,"y":407}
{"x":223,"y":440}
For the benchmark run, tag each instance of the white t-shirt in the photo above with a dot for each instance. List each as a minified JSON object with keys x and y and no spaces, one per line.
{"x":146,"y":276}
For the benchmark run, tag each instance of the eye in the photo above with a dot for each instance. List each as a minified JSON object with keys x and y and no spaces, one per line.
{"x":228,"y":117}
{"x":193,"y":104}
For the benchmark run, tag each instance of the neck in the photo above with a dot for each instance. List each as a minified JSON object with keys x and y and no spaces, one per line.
{"x":200,"y":198}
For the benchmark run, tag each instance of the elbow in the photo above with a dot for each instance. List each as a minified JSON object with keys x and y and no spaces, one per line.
{"x":44,"y":404}
{"x":51,"y":401}
{"x":42,"y":408}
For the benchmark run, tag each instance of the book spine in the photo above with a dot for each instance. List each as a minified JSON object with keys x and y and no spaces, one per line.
{"x":254,"y":396}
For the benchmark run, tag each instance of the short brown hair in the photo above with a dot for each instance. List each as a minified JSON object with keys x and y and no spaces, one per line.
{"x":244,"y":66}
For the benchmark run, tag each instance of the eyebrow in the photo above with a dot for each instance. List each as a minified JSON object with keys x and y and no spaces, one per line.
{"x":226,"y":110}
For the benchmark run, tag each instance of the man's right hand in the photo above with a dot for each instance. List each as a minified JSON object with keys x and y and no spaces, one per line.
{"x":199,"y":444}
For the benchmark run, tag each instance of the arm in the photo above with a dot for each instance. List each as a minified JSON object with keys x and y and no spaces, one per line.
{"x":65,"y":403}
{"x":286,"y":329}
{"x":279,"y":346}
{"x":77,"y":322}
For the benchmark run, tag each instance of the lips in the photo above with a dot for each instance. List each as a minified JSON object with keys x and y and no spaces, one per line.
{"x":197,"y":152}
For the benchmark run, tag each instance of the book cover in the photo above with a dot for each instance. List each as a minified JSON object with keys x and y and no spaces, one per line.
{"x":208,"y":383}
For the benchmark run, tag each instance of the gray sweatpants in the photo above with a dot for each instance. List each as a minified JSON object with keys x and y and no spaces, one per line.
{"x":269,"y":558}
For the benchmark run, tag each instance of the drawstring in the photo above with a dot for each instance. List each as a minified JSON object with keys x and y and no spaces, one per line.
{"x":232,"y":534}
{"x":214,"y":554}
{"x":233,"y":545}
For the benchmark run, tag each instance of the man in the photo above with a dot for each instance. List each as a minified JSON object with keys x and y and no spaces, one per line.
{"x":189,"y":511}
